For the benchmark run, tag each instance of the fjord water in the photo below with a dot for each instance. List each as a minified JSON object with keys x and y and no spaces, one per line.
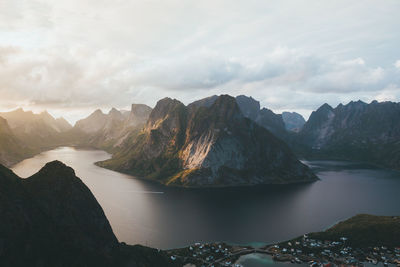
{"x":147,"y":213}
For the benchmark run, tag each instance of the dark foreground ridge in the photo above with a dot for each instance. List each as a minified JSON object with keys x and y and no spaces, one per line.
{"x":52,"y":219}
{"x":362,"y":238}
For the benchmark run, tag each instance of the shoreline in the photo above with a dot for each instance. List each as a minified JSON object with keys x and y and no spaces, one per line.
{"x":344,"y":244}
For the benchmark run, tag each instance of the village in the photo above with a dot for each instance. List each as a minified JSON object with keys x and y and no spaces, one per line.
{"x":302,"y":250}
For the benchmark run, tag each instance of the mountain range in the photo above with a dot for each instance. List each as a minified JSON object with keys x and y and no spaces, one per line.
{"x":207,"y":143}
{"x":214,"y":137}
{"x":24,"y":134}
{"x":109,"y":131}
{"x":356,"y":131}
{"x":52,"y":219}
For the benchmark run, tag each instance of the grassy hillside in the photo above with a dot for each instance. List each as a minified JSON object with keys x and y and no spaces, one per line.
{"x":365,"y":231}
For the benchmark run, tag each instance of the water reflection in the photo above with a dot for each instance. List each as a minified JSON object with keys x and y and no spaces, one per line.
{"x":151,"y":214}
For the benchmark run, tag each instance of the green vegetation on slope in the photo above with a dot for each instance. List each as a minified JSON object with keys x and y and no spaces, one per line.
{"x":365,"y":231}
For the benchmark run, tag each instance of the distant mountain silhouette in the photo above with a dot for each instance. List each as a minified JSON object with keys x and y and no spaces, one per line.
{"x":356,"y":131}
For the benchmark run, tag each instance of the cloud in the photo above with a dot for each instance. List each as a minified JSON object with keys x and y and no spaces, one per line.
{"x":85,"y":54}
{"x":81,"y":78}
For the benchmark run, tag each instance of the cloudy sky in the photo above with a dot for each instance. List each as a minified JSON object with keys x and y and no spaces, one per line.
{"x":72,"y":56}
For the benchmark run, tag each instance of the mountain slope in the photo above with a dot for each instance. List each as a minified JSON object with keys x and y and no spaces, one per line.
{"x":109,"y":131}
{"x":138,"y":115}
{"x":293,"y":121}
{"x":356,"y":131}
{"x":263,"y":117}
{"x":11,"y":149}
{"x":250,"y":108}
{"x":38,"y":131}
{"x":52,"y":219}
{"x":364,"y":230}
{"x":207,"y":145}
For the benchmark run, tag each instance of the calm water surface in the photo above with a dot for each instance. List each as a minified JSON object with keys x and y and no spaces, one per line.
{"x":151,"y":214}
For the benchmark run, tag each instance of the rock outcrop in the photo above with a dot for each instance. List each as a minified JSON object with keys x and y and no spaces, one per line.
{"x":208,"y":143}
{"x":293,"y":121}
{"x":264,"y":117}
{"x":138,"y":115}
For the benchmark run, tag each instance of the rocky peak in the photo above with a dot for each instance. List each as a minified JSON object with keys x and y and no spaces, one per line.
{"x":97,"y":112}
{"x":93,"y":123}
{"x":139,"y":114}
{"x":57,"y":169}
{"x":115,"y":114}
{"x":325,"y":107}
{"x":322,"y":114}
{"x":205,"y":102}
{"x":140,"y":109}
{"x":226,"y":108}
{"x":355,"y":106}
{"x":249,"y":106}
{"x":67,"y":200}
{"x":164,"y":108}
{"x":293,"y":121}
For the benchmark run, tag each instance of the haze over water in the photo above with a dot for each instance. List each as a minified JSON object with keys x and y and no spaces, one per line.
{"x":143,"y":212}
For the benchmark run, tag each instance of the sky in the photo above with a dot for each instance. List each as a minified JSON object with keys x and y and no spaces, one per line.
{"x":71,"y":57}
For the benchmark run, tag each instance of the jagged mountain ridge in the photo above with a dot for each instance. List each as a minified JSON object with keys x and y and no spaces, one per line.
{"x":207,"y":143}
{"x":26,"y":120}
{"x":250,"y":108}
{"x":356,"y":131}
{"x":108,"y":131}
{"x":52,"y":219}
{"x":37,"y":132}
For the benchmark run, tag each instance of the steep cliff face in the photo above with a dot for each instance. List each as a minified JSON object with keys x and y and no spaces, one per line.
{"x":249,"y":106}
{"x":319,"y":128}
{"x":153,"y":152}
{"x":96,"y":121}
{"x":208,"y":145}
{"x":356,"y":131}
{"x":265,"y":117}
{"x":52,"y":219}
{"x":138,"y":115}
{"x":293,"y":121}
